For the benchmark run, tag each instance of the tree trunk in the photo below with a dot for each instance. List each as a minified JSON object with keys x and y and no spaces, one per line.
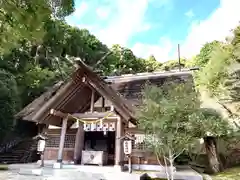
{"x":212,"y":154}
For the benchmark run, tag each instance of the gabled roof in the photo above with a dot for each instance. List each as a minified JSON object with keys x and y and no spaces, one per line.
{"x":74,"y":97}
{"x":131,"y":86}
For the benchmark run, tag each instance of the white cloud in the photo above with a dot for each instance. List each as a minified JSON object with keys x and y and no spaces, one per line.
{"x":81,"y":10}
{"x":161,"y":51}
{"x":103,"y":12}
{"x":123,"y":19}
{"x":190,"y":13}
{"x":216,"y":27}
{"x":128,"y":18}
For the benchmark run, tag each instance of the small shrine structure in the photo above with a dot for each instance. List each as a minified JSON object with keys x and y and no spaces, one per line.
{"x":86,"y":117}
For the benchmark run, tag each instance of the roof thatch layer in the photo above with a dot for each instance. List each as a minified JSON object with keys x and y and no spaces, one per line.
{"x":74,"y":97}
{"x":123,"y":92}
{"x":29,"y":111}
{"x":131,"y":86}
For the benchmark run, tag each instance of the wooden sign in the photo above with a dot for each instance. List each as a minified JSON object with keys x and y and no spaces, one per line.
{"x":127,"y":146}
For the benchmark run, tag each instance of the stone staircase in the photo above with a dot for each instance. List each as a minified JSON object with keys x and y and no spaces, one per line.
{"x":23,"y":152}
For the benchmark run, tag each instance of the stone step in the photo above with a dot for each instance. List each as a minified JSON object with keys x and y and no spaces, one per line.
{"x":10,"y":155}
{"x":36,"y":172}
{"x":10,"y":158}
{"x":10,"y":162}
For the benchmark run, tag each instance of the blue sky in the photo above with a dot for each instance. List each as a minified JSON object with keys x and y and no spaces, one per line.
{"x":155,"y":27}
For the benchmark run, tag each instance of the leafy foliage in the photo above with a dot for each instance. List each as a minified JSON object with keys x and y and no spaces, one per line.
{"x":214,"y":73}
{"x":26,"y":19}
{"x":205,"y":53}
{"x":172,"y":119}
{"x":9,"y":101}
{"x":164,"y":115}
{"x":208,"y":122}
{"x":220,"y":75}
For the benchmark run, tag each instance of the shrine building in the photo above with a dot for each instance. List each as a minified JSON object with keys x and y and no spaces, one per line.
{"x":86,"y":117}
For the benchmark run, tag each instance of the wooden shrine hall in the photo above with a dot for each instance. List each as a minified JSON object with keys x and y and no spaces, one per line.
{"x":86,"y":117}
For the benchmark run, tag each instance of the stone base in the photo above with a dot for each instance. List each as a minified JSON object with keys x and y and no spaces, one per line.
{"x":118,"y":168}
{"x":57,"y":165}
{"x":36,"y":172}
{"x":149,"y":167}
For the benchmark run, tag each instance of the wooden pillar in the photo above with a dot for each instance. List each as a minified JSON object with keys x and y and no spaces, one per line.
{"x":119,"y":154}
{"x":103,"y":104}
{"x":62,"y":140}
{"x":92,"y":101}
{"x":79,"y":143}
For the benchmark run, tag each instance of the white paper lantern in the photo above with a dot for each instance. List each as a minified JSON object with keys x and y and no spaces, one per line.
{"x":112,"y":126}
{"x":93,"y":127}
{"x":41,"y":145}
{"x":87,"y":127}
{"x":127,"y":146}
{"x":99,"y":126}
{"x":105,"y":126}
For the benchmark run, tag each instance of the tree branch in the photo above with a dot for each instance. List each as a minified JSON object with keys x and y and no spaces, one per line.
{"x":227,"y":109}
{"x":178,"y":154}
{"x":231,"y":114}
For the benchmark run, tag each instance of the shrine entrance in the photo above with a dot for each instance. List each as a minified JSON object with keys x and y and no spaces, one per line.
{"x":101,"y":141}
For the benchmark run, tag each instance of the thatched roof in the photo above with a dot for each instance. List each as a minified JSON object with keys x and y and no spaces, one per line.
{"x":131,"y":86}
{"x":29,"y":111}
{"x":74,"y":97}
{"x":123,"y":92}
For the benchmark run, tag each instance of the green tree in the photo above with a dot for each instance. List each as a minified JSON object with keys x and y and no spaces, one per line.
{"x":164,"y":116}
{"x":151,"y":64}
{"x":173,"y":65}
{"x":26,"y":19}
{"x":205,"y":53}
{"x":173,"y":116}
{"x":210,"y":125}
{"x":9,"y":101}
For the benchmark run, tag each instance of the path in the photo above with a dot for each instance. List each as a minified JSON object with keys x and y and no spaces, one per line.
{"x":66,"y":174}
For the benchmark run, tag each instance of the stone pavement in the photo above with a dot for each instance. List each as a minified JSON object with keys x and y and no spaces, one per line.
{"x":66,"y":174}
{"x":76,"y":172}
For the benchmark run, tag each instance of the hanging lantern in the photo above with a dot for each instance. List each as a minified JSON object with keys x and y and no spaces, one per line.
{"x":127,"y":146}
{"x":41,"y":142}
{"x":41,"y":145}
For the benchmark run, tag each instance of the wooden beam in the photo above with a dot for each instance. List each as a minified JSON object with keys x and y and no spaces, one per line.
{"x":134,"y":130}
{"x":111,"y":108}
{"x":92,"y":100}
{"x":86,"y":116}
{"x":58,"y":113}
{"x":95,"y":115}
{"x":79,"y":143}
{"x":119,"y":154}
{"x":62,"y":140}
{"x":103,"y":104}
{"x":106,"y":91}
